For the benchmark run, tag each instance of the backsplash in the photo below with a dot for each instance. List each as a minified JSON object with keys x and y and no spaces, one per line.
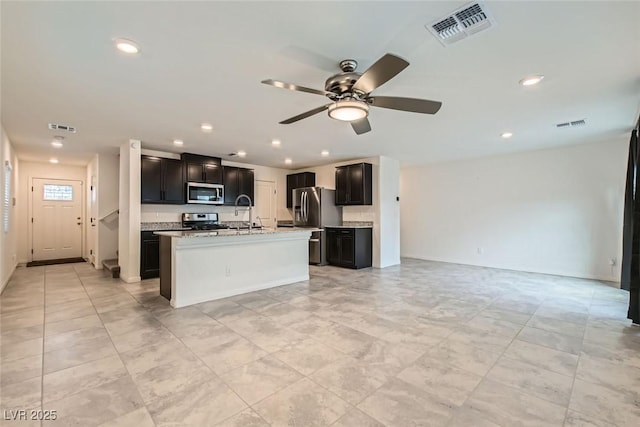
{"x":173,"y":213}
{"x":359,"y":213}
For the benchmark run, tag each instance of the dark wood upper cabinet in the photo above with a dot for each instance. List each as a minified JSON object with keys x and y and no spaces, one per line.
{"x":238,"y":181}
{"x":354,"y":184}
{"x":161,"y":180}
{"x":202,"y":168}
{"x":299,"y":180}
{"x":173,"y":181}
{"x":151,"y":179}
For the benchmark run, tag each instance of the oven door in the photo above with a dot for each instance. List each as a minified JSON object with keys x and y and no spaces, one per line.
{"x":206,"y":194}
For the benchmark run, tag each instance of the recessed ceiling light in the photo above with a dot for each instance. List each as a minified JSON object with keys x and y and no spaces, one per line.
{"x":206,"y":127}
{"x":275,"y":142}
{"x":127,"y":46}
{"x":288,"y":161}
{"x":531,"y":80}
{"x":324,"y":153}
{"x":242,"y":153}
{"x":178,"y":142}
{"x":56,"y":144}
{"x":506,"y":135}
{"x":53,"y":160}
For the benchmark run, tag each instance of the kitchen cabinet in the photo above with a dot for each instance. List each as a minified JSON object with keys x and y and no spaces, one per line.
{"x":299,"y":180}
{"x":202,"y":168}
{"x":149,"y":255}
{"x":238,"y":181}
{"x":349,"y":247}
{"x":354,"y":184}
{"x":161,"y":180}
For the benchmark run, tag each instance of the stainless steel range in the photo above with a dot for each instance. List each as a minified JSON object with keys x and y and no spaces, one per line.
{"x":202,"y":221}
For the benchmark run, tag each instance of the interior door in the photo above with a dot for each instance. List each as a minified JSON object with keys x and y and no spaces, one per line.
{"x":56,"y":219}
{"x":266,"y":202}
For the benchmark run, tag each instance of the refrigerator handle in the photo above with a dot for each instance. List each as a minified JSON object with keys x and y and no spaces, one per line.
{"x":304,"y":206}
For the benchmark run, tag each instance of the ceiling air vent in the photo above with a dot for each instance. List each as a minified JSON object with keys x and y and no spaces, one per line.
{"x":462,"y":23}
{"x":571,"y":124}
{"x":54,"y":126}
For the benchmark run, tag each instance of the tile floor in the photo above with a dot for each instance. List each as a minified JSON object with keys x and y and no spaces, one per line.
{"x":422,"y":344}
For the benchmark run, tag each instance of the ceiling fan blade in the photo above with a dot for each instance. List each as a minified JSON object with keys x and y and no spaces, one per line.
{"x":413,"y":105}
{"x":304,"y":115}
{"x":379,"y":73}
{"x":291,"y":86}
{"x":361,"y":126}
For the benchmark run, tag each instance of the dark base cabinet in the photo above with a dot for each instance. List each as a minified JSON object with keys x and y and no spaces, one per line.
{"x":165,"y":271}
{"x":349,"y":247}
{"x":149,"y":255}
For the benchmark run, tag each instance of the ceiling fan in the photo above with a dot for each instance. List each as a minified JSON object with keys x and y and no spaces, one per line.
{"x":350,"y":93}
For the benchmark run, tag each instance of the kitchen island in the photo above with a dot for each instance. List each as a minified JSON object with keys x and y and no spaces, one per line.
{"x":199,"y":266}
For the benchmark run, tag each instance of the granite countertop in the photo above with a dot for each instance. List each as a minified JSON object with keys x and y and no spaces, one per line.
{"x":353,"y":224}
{"x":232,"y":232}
{"x":161,"y":226}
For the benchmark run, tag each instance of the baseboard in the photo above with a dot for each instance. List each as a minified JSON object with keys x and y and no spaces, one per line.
{"x":575,"y":275}
{"x":131,"y":279}
{"x":5,"y":282}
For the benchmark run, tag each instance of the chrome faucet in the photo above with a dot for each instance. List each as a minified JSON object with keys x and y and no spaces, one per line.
{"x":248,"y":209}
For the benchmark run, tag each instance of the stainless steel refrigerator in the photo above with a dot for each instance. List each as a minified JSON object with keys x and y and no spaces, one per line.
{"x":315,"y":207}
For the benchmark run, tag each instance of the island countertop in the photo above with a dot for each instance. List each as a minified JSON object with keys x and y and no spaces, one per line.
{"x":233,"y":232}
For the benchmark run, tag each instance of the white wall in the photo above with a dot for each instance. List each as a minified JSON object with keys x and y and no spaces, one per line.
{"x":389,"y":212}
{"x":556,"y":211}
{"x":9,"y":240}
{"x":28,"y":171}
{"x":129,"y":218}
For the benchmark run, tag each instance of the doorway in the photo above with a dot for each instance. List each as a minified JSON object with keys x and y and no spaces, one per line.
{"x":56,"y":220}
{"x":266,"y":199}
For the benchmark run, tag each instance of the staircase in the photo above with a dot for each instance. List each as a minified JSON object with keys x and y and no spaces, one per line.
{"x":112,"y":266}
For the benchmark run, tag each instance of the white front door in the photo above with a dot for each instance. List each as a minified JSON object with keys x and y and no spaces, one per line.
{"x":266,"y":202}
{"x":57,"y":219}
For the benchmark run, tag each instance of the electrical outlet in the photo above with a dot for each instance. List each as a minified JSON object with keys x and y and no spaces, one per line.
{"x":480,"y":251}
{"x":228,"y":271}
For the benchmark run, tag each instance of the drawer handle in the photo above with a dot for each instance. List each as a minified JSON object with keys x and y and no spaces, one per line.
{"x":314,"y":240}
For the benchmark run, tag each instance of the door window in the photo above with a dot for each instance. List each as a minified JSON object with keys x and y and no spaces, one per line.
{"x":57,"y":192}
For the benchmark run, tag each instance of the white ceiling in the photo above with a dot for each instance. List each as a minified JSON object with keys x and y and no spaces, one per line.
{"x":203,"y":62}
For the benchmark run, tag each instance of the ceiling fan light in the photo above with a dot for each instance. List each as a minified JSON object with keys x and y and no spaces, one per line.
{"x":348,"y":110}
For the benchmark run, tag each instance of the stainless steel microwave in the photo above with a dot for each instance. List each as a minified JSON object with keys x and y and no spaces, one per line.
{"x":205,"y":194}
